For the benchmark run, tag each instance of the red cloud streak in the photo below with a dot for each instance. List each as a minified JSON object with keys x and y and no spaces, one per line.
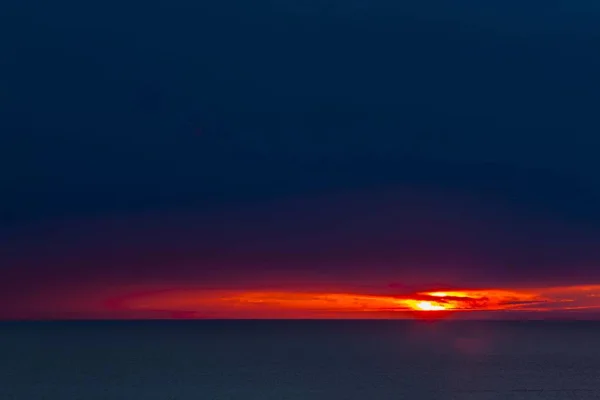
{"x":189,"y":302}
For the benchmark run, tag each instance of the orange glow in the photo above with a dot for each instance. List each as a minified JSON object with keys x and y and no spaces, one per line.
{"x":198,"y":302}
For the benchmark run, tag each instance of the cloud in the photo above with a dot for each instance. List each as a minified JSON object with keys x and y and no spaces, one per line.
{"x":187,"y":301}
{"x":380,"y":248}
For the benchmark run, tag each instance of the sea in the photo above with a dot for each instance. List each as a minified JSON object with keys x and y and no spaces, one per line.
{"x":299,"y":360}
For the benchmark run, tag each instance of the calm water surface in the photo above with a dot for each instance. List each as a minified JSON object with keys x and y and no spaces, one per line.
{"x":297,"y":360}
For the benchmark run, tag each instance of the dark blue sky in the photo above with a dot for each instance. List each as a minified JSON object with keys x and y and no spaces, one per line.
{"x":115,"y":108}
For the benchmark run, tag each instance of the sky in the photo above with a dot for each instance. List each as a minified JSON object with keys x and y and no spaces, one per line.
{"x":299,"y":159}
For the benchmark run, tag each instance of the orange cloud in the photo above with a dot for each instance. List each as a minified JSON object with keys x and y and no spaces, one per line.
{"x":201,"y":303}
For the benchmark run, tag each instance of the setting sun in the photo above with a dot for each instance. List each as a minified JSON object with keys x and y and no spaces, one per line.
{"x":429,"y":306}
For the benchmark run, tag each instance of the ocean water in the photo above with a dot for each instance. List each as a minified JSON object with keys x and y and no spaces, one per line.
{"x":299,"y":360}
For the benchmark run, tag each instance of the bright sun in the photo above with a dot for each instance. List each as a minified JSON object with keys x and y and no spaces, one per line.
{"x":429,"y":306}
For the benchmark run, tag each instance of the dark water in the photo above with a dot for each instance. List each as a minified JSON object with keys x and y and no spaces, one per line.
{"x":345,"y":360}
